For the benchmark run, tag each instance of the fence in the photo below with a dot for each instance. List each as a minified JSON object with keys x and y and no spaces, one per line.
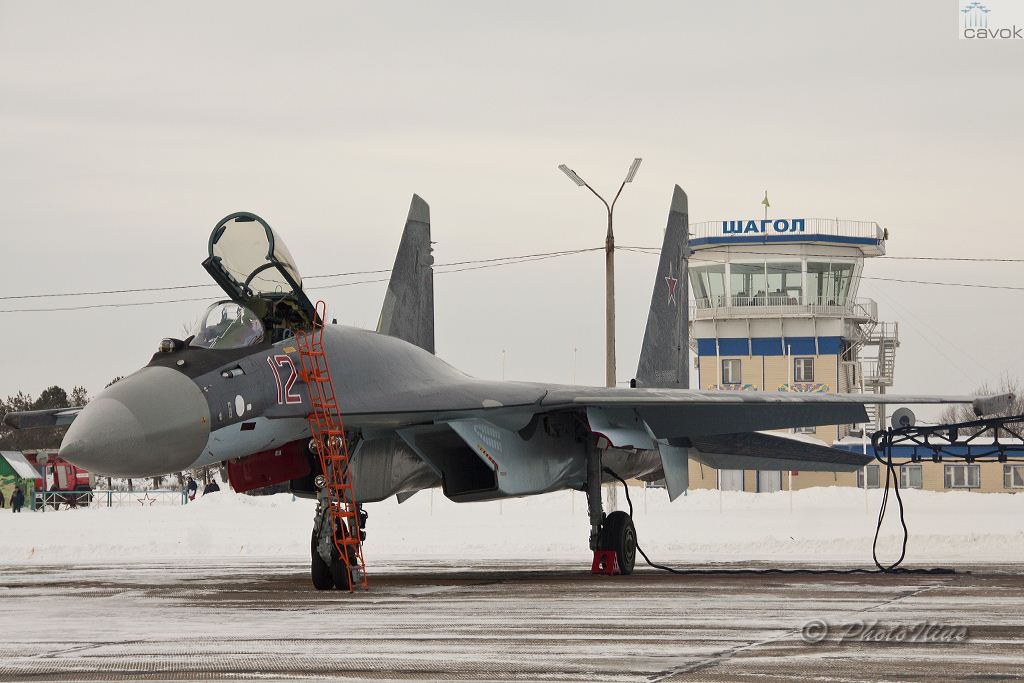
{"x":57,"y":500}
{"x":739,"y":307}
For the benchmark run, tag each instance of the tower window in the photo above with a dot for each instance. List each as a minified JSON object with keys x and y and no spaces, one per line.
{"x":731,"y":371}
{"x":803,"y":369}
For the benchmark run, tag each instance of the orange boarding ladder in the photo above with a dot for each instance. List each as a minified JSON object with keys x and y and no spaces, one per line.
{"x":332,"y":447}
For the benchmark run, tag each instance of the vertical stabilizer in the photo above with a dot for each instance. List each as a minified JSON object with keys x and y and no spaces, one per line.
{"x":664,"y":357}
{"x":408,"y":311}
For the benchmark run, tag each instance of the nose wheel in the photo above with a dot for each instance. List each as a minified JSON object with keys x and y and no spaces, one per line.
{"x":327,"y":575}
{"x":319,"y":570}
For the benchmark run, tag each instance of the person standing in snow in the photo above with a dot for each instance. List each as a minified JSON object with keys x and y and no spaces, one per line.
{"x":191,"y":487}
{"x":17,"y":499}
{"x":3,"y":501}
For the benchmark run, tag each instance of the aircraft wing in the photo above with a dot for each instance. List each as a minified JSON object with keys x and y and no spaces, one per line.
{"x":31,"y":419}
{"x":682,"y":413}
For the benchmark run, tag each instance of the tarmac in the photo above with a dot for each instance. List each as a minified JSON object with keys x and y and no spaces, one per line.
{"x":442,"y":621}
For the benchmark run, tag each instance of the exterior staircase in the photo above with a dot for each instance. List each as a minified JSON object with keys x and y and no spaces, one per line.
{"x":879,"y":368}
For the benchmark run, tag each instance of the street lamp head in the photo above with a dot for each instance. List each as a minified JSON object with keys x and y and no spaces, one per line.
{"x":571,"y":174}
{"x":631,"y":173}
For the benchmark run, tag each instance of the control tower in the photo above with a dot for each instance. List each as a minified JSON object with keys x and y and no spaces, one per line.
{"x":776,"y":309}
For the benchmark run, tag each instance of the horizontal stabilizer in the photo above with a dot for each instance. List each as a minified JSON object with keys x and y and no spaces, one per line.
{"x":757,"y":451}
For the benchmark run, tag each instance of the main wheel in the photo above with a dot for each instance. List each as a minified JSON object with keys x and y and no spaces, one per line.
{"x":618,"y":534}
{"x":319,"y":570}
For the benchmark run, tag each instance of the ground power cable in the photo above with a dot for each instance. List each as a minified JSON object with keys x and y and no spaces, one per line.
{"x":890,"y":478}
{"x":895,"y":568}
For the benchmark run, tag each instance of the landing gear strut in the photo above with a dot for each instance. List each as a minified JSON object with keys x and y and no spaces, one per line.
{"x":612,"y":537}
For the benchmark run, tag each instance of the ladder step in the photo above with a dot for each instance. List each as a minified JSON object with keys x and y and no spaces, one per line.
{"x":349,"y":541}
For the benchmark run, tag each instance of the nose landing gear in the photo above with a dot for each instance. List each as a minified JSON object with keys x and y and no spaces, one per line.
{"x":327,"y":568}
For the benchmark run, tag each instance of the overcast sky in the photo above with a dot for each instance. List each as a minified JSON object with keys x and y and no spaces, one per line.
{"x":127,"y":130}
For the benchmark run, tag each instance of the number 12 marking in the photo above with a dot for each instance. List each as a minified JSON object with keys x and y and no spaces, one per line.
{"x":284,"y":389}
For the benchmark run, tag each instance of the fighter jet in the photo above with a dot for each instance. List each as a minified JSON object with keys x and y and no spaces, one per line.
{"x":234,"y":393}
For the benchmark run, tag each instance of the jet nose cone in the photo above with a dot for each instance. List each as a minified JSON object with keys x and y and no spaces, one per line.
{"x":150,"y":423}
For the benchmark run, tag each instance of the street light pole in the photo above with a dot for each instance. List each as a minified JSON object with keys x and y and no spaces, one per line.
{"x":609,"y":261}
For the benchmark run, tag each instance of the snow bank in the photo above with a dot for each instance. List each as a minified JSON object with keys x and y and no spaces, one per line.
{"x":828,"y":525}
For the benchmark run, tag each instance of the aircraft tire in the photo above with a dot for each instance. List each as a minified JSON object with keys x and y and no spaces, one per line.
{"x":619,"y":534}
{"x":320,"y":571}
{"x":340,"y":575}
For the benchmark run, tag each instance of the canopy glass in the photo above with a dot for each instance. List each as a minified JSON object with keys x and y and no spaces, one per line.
{"x":254,"y":267}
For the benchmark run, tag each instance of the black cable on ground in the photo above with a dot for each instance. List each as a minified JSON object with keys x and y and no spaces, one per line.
{"x":892,"y":569}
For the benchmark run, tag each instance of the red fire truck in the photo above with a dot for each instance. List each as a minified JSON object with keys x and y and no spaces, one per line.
{"x":62,"y":483}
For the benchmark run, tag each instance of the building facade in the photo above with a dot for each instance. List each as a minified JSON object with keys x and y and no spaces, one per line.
{"x":776,"y":308}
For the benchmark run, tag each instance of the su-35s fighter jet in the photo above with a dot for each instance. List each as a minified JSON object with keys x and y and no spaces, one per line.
{"x":252,"y":388}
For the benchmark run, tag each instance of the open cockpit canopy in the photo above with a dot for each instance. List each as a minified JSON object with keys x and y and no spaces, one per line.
{"x":254,"y":267}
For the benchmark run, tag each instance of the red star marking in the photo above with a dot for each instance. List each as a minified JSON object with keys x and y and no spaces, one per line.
{"x":672,"y":282}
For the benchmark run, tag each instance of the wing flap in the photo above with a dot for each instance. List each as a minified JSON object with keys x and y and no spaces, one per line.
{"x":689,"y":420}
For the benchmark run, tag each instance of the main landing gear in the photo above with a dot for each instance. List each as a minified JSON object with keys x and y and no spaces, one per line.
{"x":612,"y":537}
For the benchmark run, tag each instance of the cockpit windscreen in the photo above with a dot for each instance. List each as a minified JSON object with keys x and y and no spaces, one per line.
{"x":226,"y":325}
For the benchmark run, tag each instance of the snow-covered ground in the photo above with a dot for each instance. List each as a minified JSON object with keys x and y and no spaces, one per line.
{"x":827,"y":525}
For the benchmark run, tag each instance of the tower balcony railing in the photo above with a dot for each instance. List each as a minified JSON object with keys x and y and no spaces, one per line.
{"x":780,"y":304}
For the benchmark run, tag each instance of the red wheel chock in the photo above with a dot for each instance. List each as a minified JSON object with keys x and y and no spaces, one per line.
{"x":605,"y":562}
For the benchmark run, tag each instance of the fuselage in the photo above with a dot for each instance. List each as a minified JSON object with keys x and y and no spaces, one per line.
{"x":199,"y":406}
